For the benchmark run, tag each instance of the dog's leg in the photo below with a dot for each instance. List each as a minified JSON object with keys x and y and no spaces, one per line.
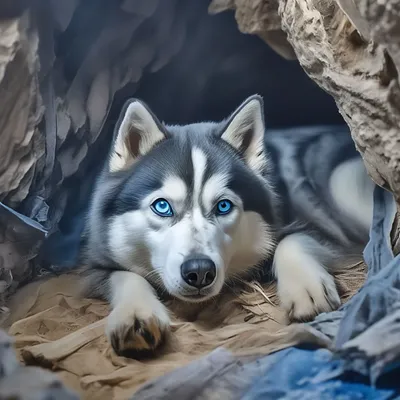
{"x":305,"y":287}
{"x":138,"y":321}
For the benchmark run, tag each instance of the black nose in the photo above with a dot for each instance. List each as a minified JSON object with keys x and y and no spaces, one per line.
{"x":198,"y":271}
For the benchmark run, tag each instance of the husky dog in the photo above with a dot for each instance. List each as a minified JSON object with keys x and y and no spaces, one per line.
{"x":187,"y":208}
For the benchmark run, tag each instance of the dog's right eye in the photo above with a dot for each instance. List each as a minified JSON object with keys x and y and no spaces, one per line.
{"x":162,"y":208}
{"x":224,"y":207}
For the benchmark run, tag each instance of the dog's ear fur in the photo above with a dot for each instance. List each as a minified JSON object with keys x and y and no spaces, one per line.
{"x":137,"y":131}
{"x":245,"y":130}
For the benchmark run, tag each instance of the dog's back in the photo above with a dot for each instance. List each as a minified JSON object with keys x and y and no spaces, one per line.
{"x":322,"y":183}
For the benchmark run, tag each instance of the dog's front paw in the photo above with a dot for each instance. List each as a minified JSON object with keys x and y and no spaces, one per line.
{"x":137,"y":332}
{"x":308,"y":295}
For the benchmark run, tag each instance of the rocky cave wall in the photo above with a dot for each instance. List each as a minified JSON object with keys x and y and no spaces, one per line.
{"x":53,"y":124}
{"x":65,"y":68}
{"x":351,"y":49}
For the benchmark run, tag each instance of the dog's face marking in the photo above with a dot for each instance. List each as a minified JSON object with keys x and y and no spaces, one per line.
{"x":199,"y":162}
{"x":185,"y":193}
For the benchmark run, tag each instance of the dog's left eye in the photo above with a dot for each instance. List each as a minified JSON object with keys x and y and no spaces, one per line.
{"x":162,"y":208}
{"x":224,"y":207}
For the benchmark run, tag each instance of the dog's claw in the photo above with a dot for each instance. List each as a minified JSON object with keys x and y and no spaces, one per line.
{"x":137,"y":333}
{"x":139,"y":339}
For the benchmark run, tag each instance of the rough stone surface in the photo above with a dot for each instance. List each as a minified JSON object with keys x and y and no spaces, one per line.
{"x":59,"y":75}
{"x":351,"y":49}
{"x":60,"y":67}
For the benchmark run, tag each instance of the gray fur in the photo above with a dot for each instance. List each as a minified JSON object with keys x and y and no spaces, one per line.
{"x":173,"y":156}
{"x":284,"y":188}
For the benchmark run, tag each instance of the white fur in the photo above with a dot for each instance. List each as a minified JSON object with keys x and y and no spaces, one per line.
{"x":182,"y":240}
{"x":175,"y":189}
{"x":352,"y":190}
{"x":125,"y":237}
{"x":302,"y":278}
{"x":199,"y":161}
{"x":234,"y":241}
{"x":252,"y":242}
{"x":132,"y":297}
{"x":214,"y":190}
{"x":192,"y":234}
{"x":128,"y":231}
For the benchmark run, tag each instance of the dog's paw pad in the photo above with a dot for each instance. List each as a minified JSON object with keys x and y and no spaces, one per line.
{"x":139,"y":339}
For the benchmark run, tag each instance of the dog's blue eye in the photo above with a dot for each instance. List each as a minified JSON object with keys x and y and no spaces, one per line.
{"x":162,"y":208}
{"x":224,"y":207}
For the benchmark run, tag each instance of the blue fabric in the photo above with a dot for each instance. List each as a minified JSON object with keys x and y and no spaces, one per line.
{"x":22,"y":220}
{"x":378,"y":252}
{"x":362,"y":369}
{"x":309,"y":374}
{"x":381,"y":289}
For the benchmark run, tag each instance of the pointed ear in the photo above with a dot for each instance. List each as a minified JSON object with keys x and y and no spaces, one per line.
{"x":245,"y":132}
{"x":138,"y":130}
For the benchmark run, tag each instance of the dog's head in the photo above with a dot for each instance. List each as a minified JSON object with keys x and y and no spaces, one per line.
{"x":188,"y":207}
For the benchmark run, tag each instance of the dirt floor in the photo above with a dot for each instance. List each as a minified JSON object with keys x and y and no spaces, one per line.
{"x":55,"y":328}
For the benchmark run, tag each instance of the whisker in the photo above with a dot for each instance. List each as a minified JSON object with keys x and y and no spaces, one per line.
{"x":151,"y":273}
